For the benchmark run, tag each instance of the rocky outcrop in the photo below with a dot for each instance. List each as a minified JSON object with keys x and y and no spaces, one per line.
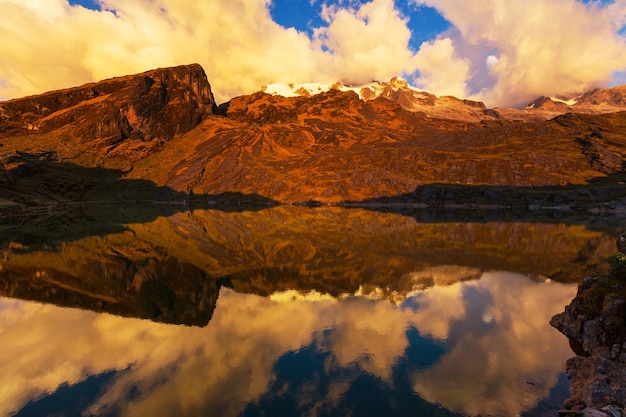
{"x":153,"y":106}
{"x":614,"y":96}
{"x":595,"y":323}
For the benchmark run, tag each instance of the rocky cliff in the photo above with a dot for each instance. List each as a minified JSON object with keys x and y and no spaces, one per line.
{"x":125,"y":116}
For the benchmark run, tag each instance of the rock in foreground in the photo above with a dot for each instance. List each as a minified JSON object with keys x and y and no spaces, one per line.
{"x":595,"y":323}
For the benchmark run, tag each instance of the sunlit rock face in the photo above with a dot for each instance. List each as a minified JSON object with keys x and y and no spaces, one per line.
{"x":121,"y":117}
{"x":477,"y":344}
{"x":333,"y":147}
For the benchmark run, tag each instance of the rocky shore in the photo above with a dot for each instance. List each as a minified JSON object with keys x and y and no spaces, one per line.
{"x":595,"y":324}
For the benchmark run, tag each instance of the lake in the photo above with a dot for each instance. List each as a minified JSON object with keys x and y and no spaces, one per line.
{"x":326,"y":311}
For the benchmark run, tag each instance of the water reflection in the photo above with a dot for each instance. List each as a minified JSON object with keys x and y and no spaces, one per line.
{"x":320,"y":312}
{"x":136,"y":270}
{"x":474,"y":347}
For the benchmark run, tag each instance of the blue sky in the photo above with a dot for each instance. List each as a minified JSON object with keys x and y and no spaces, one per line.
{"x":505,"y":53}
{"x":425,"y":22}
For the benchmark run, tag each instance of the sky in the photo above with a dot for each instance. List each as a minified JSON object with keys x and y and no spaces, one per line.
{"x":503,"y":52}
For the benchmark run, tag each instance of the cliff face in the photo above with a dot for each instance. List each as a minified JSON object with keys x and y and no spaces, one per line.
{"x":127,"y":115}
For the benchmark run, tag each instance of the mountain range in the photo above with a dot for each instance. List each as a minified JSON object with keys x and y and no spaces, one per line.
{"x":160,"y":135}
{"x":597,"y":101}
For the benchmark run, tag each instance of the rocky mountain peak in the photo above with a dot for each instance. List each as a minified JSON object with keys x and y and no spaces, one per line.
{"x":615,"y":96}
{"x":550,"y":103}
{"x":157,"y":104}
{"x":599,"y":100}
{"x":397,"y":90}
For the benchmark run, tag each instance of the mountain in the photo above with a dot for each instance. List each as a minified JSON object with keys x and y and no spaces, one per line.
{"x":604,"y":100}
{"x":447,"y":107}
{"x":126,"y":116}
{"x":159,"y":136}
{"x":611,"y":98}
{"x":551,"y":103}
{"x":397,"y":90}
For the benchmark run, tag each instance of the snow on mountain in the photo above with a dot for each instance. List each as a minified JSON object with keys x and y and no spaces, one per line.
{"x":551,"y":103}
{"x":397,"y":90}
{"x":448,"y":107}
{"x":307,"y":89}
{"x":369,"y":91}
{"x":569,"y":102}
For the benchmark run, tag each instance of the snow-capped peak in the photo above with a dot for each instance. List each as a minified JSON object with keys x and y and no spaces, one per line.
{"x":366,"y":91}
{"x":306,"y":89}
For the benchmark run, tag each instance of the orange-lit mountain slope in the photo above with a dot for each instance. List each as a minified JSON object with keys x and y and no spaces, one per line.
{"x":160,"y":135}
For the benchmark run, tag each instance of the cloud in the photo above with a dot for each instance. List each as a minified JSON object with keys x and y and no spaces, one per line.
{"x":538,"y":47}
{"x":441,"y":70}
{"x":505,"y":53}
{"x":49,"y":44}
{"x":367,"y":44}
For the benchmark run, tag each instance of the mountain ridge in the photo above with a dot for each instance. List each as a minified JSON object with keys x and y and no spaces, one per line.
{"x":598,"y":100}
{"x":163,"y":129}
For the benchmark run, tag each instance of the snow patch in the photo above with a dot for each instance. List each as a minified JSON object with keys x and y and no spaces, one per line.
{"x":569,"y":102}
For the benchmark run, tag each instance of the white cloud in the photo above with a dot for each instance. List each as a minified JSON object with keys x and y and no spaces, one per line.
{"x":369,"y":43}
{"x":441,"y":70}
{"x":545,"y":47}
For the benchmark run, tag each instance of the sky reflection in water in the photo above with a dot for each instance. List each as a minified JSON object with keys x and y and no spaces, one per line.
{"x":475,"y":347}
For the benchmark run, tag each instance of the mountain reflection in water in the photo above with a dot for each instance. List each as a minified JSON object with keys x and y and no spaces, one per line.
{"x":298,"y":312}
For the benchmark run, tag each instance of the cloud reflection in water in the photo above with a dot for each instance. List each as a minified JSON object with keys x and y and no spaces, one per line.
{"x":494,"y":350}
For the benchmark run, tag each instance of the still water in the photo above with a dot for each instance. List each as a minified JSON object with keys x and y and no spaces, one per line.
{"x":287,"y":311}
